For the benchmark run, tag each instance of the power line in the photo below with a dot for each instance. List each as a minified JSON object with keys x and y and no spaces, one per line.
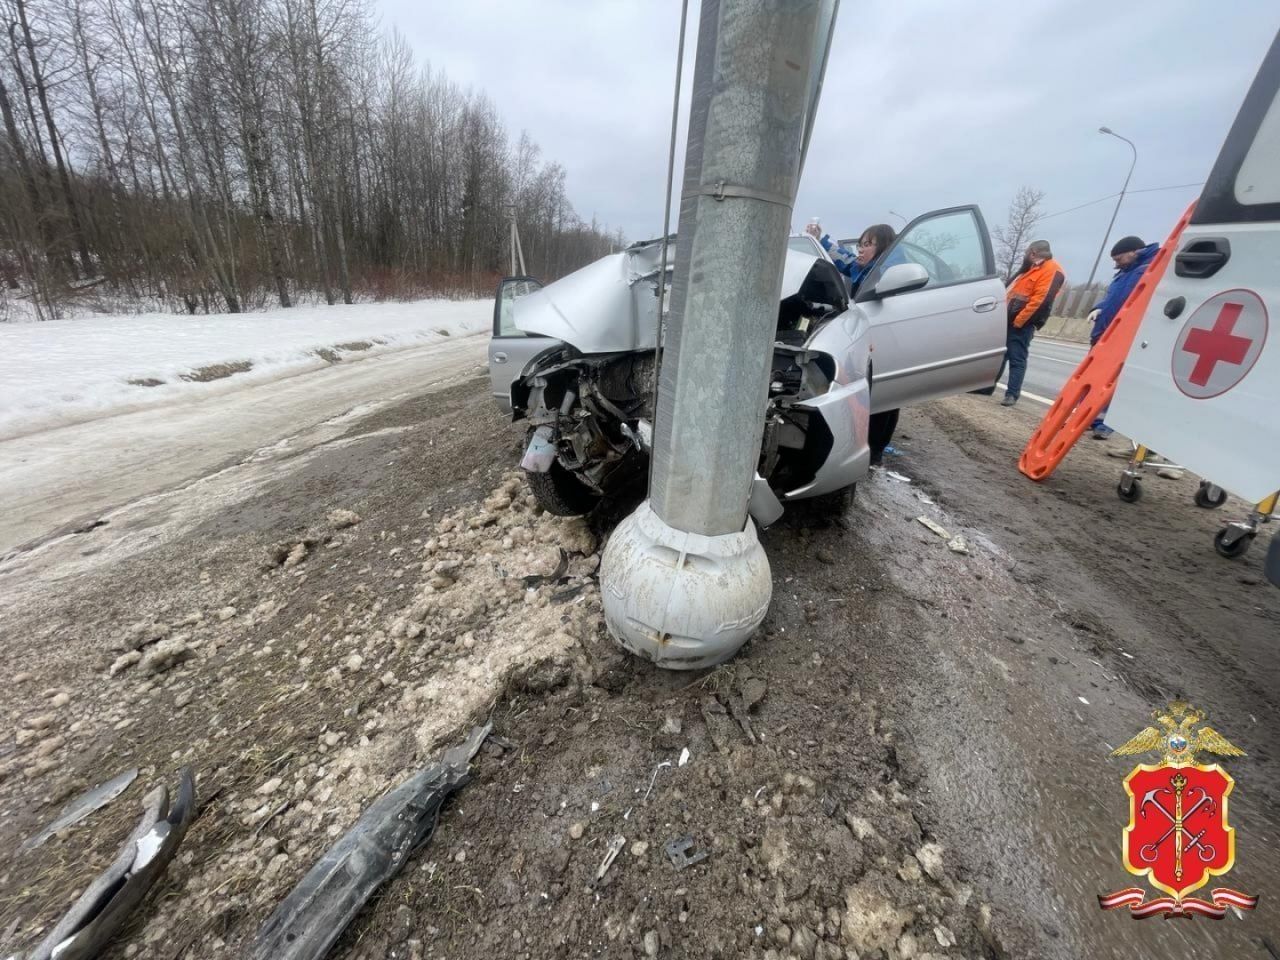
{"x":1176,"y":186}
{"x":1112,"y":196}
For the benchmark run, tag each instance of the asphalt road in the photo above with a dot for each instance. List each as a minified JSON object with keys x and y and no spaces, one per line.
{"x":1052,"y":361}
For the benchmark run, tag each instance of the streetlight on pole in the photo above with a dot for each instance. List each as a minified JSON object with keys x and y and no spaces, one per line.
{"x":895,"y":213}
{"x":1107,"y":236}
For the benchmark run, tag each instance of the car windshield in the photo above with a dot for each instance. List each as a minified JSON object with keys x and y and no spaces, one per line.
{"x":802,"y":244}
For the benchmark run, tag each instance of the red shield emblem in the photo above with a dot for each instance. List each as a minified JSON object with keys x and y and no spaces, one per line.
{"x":1178,"y":836}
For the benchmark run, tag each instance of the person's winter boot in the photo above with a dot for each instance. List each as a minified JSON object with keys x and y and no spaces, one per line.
{"x":1008,"y":400}
{"x":1102,"y":432}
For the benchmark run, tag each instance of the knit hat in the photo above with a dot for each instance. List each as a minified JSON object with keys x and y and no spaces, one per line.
{"x":1127,"y":245}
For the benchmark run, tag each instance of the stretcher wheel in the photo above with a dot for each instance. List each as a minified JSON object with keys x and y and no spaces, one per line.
{"x":1209,"y":497}
{"x":1129,"y":489}
{"x":1232,"y":543}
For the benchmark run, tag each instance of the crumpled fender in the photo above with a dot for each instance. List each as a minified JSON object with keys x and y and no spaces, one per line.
{"x":96,"y":917}
{"x":312,"y":917}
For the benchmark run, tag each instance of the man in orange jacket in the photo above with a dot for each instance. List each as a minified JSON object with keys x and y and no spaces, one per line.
{"x":1030,"y":297}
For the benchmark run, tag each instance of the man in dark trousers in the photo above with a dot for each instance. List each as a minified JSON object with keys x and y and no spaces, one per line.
{"x":1131,"y":257}
{"x":1030,"y":300}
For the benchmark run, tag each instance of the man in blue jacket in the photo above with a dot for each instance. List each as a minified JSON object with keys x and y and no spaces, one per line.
{"x":1131,"y":257}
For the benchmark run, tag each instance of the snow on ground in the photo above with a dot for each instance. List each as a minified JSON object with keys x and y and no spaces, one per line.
{"x":68,"y":371}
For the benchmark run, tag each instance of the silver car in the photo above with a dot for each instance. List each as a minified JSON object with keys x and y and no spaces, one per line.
{"x":576,"y":360}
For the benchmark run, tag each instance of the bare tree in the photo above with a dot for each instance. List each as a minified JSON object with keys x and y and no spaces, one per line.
{"x":220,"y":154}
{"x":1012,"y":238}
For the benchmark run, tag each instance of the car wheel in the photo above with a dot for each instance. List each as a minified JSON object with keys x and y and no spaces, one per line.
{"x":560,"y":493}
{"x":836,"y":503}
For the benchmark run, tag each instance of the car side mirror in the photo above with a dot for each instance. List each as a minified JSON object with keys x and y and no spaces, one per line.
{"x":900,"y":278}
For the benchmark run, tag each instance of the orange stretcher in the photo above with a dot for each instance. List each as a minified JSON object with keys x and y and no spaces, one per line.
{"x":1091,"y":387}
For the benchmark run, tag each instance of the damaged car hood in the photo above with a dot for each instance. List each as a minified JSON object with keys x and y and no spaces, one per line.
{"x":611,"y":305}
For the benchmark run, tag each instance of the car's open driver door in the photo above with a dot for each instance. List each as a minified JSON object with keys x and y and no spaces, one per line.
{"x":510,"y":350}
{"x":943,"y":332}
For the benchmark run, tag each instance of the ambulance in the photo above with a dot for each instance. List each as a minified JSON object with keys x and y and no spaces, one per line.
{"x":1201,"y":383}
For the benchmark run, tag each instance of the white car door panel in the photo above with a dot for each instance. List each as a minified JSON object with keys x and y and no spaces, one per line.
{"x":511,"y":350}
{"x":948,"y":336}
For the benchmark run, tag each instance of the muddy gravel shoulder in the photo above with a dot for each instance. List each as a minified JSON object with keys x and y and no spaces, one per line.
{"x":307,"y":648}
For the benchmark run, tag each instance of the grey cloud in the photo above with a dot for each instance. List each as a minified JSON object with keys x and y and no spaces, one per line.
{"x":926,"y":104}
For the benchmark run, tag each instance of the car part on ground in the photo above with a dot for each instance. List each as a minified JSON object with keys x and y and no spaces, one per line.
{"x":85,"y":930}
{"x":310,"y":919}
{"x":92,"y":799}
{"x":677,"y":850}
{"x":610,"y":854}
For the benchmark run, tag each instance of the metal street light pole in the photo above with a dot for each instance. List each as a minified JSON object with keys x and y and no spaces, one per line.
{"x":895,"y":213}
{"x":1107,"y":236}
{"x":684,"y":579}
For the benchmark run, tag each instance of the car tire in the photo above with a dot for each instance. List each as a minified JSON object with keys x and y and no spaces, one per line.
{"x":836,"y":503}
{"x":560,"y":493}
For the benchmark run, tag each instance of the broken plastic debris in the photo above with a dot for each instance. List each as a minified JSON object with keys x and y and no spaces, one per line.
{"x":82,"y":806}
{"x":654,"y":779}
{"x":894,"y":475}
{"x":935,"y":527}
{"x":310,"y":919}
{"x":610,"y":855}
{"x":99,"y":913}
{"x":957,"y":544}
{"x":684,"y":757}
{"x":678,"y":848}
{"x":537,"y":579}
{"x":1083,"y":700}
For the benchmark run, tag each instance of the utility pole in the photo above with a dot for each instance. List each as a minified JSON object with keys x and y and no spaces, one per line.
{"x":517,"y":251}
{"x":1107,"y":236}
{"x":684,"y":578}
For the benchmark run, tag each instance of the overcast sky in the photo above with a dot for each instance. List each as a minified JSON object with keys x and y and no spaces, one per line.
{"x":927,"y":103}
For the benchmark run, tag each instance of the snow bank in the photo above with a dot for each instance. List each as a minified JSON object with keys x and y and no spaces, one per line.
{"x":68,"y":371}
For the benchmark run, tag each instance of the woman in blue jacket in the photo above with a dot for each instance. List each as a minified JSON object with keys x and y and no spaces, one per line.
{"x":1132,"y":257}
{"x":857,"y":265}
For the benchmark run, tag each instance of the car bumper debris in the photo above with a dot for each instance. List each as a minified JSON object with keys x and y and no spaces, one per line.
{"x":312,"y":917}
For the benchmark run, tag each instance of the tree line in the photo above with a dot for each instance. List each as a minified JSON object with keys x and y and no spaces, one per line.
{"x":224,"y":154}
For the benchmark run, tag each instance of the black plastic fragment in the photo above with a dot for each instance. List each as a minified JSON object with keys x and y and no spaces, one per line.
{"x":310,"y":919}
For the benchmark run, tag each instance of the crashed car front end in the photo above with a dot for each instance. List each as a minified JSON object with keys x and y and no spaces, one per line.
{"x":589,"y":396}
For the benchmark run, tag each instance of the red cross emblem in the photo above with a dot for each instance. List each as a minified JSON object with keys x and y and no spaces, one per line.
{"x":1219,"y":344}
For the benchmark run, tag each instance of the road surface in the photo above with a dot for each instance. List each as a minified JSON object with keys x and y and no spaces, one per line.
{"x":1051,"y":362}
{"x":57,"y":480}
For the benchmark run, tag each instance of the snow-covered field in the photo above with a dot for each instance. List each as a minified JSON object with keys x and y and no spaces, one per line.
{"x":68,"y":371}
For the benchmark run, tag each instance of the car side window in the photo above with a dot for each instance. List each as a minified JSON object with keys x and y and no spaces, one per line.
{"x":949,"y":246}
{"x":511,"y":290}
{"x":1258,"y":180}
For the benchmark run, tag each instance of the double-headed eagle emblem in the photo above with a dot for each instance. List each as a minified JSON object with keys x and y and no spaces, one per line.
{"x":1175,"y":739}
